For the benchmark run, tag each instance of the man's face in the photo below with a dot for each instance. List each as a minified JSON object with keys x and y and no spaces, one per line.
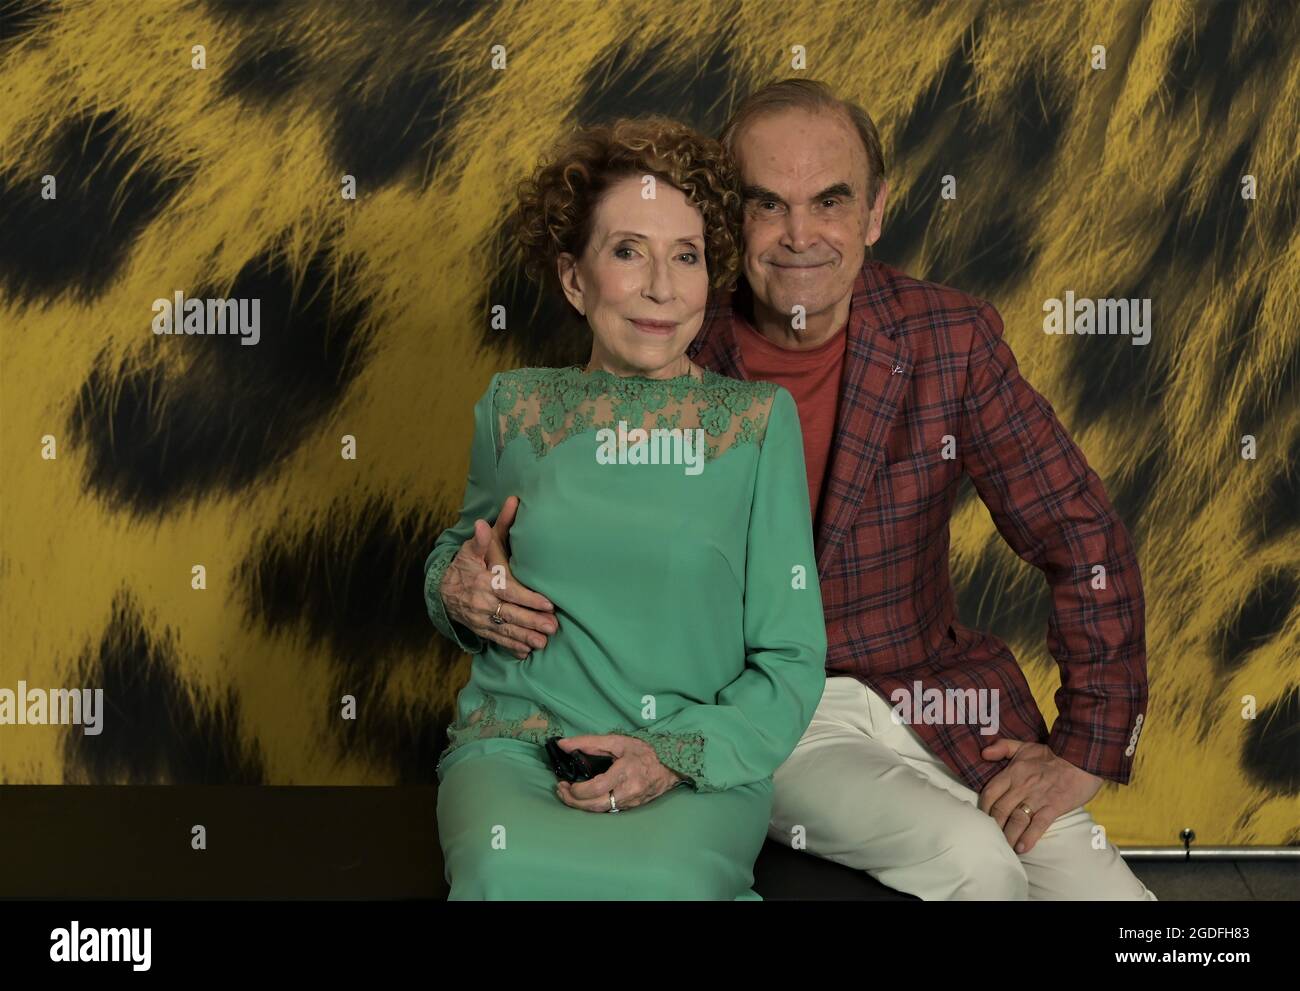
{"x":807,"y":216}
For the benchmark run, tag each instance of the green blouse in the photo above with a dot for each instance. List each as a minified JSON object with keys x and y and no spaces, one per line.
{"x":667,"y":520}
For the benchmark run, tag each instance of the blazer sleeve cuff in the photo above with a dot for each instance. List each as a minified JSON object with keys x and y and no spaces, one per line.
{"x":1111,"y":761}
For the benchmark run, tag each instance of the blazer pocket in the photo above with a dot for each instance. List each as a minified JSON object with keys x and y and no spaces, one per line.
{"x":898,"y":500}
{"x":904,"y":484}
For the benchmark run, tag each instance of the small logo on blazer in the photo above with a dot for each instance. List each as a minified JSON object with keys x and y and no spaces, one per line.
{"x":897,"y":370}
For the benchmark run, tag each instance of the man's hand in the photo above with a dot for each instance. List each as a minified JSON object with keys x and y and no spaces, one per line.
{"x":636,"y":776}
{"x":1048,"y":784}
{"x":469,"y":598}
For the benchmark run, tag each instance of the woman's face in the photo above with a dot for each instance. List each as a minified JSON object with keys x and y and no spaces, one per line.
{"x":641,"y":281}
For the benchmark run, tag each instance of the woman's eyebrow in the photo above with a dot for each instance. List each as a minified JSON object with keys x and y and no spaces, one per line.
{"x":685,"y":237}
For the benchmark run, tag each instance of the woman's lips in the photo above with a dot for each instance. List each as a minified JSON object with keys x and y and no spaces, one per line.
{"x":659,"y":327}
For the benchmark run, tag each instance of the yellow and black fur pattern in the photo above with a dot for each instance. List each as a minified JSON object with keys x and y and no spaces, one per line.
{"x":130,"y":459}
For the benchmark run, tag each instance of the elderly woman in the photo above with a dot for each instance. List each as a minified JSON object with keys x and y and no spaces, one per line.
{"x":663,"y":512}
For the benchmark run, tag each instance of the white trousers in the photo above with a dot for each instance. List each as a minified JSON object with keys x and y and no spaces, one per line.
{"x":869,"y":794}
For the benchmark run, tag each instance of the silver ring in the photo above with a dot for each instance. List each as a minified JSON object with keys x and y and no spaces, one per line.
{"x":613,"y":805}
{"x":496,"y":616}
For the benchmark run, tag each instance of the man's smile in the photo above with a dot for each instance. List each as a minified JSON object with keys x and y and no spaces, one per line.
{"x":799,"y":268}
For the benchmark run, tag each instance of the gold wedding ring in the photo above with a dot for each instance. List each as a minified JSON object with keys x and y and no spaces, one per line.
{"x":496,"y":616}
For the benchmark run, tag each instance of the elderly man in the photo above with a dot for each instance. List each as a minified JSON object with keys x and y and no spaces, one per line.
{"x":928,"y":763}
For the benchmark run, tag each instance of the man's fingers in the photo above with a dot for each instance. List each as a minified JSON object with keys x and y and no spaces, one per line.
{"x":1001,"y":811}
{"x":1043,"y":818}
{"x":1015,"y":825}
{"x":1008,"y":811}
{"x":998,"y":786}
{"x":1002,"y":749}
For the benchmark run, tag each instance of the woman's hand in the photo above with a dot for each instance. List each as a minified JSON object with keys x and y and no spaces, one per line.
{"x":469,"y":598}
{"x":635,"y":777}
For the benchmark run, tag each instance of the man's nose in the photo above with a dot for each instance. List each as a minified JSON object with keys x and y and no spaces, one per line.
{"x":799,"y":234}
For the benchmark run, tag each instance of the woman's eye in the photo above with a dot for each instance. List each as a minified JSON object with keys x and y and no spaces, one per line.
{"x":691,"y":255}
{"x":623,"y":248}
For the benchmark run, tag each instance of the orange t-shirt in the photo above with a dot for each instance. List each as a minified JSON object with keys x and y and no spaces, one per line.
{"x":813,"y":378}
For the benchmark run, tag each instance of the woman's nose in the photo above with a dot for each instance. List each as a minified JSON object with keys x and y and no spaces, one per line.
{"x":660,"y":285}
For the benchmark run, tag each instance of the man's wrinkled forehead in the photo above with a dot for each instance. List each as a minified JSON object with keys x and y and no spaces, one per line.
{"x":796,"y":151}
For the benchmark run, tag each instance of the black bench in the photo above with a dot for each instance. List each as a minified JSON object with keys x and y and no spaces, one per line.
{"x":133,"y":841}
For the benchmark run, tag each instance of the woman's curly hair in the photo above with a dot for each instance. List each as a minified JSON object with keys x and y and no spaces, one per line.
{"x":556,"y":204}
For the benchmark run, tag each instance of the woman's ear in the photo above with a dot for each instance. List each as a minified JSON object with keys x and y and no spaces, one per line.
{"x":567,"y":267}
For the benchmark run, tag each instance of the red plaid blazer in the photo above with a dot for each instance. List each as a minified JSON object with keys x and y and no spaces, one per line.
{"x":924,"y":361}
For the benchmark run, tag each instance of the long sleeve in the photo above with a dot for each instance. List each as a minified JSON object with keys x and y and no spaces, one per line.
{"x":759,"y":717}
{"x":1051,"y":508}
{"x":480,"y":502}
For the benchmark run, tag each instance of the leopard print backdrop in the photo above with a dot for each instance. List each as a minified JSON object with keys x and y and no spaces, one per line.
{"x":228,"y":539}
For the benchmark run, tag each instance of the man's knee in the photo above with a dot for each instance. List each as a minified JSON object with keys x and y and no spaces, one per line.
{"x":975,"y":862}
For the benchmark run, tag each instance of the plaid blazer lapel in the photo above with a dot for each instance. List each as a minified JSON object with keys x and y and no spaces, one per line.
{"x":715,"y":345}
{"x":877,"y":368}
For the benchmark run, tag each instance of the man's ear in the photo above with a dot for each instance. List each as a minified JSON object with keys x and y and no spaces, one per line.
{"x":877,"y":214}
{"x":567,"y":267}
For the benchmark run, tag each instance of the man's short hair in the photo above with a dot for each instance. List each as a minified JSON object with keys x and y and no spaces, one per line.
{"x":810,"y":95}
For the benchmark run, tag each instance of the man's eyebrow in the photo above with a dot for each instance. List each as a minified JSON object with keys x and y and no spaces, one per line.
{"x":685,"y":237}
{"x":841,"y":189}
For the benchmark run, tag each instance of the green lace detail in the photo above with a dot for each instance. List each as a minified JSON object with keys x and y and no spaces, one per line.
{"x":550,"y":405}
{"x":464,"y":637}
{"x":483,"y":723}
{"x":680,"y":752}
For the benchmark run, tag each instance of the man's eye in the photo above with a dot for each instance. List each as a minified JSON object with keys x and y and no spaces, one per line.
{"x":833,"y":201}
